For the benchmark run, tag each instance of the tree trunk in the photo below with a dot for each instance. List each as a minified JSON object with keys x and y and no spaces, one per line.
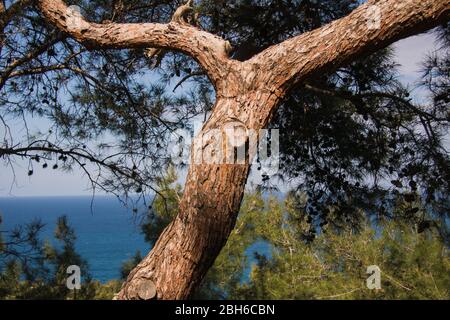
{"x":208,"y":210}
{"x":189,"y":245}
{"x":247,"y":96}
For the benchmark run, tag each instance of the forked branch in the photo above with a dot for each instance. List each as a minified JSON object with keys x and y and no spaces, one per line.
{"x":370,"y":27}
{"x":209,"y":50}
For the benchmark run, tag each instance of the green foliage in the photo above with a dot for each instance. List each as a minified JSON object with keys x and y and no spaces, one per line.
{"x":343,"y":133}
{"x":414,"y":260}
{"x":305,"y":261}
{"x":164,"y":207}
{"x":161,"y":212}
{"x":42,"y":272}
{"x":414,"y":265}
{"x":10,"y":279}
{"x":106,"y":291}
{"x":224,"y":278}
{"x":129,"y":265}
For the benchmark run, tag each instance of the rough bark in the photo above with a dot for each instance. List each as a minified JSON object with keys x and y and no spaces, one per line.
{"x":189,"y":245}
{"x":209,"y":50}
{"x":212,"y":196}
{"x":247,"y":93}
{"x":348,"y":38}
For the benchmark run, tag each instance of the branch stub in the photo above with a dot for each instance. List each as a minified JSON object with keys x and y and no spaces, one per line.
{"x":146,"y":289}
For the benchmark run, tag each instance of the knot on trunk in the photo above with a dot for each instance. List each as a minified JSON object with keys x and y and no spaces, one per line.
{"x":146,"y":289}
{"x":184,"y":14}
{"x":236,"y":133}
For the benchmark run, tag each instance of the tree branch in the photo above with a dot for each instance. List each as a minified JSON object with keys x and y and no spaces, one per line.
{"x":76,"y":154}
{"x":53,"y":39}
{"x":7,"y":14}
{"x":187,"y":77}
{"x":370,"y":27}
{"x":353,"y":97}
{"x":209,"y":50}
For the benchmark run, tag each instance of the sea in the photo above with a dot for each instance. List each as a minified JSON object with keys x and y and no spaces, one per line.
{"x":108,"y":232}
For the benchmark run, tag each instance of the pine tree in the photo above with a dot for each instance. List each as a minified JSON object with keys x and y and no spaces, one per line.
{"x":33,"y":269}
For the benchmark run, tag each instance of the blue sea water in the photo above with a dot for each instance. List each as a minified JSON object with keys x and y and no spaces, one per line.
{"x":107,"y":235}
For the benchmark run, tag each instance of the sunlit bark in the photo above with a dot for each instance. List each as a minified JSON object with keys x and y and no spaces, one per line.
{"x":247,"y":93}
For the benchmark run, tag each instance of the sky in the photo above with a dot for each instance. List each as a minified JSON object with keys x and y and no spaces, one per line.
{"x":409,"y":54}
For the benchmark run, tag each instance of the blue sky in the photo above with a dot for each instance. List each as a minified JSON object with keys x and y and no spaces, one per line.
{"x":409,"y":54}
